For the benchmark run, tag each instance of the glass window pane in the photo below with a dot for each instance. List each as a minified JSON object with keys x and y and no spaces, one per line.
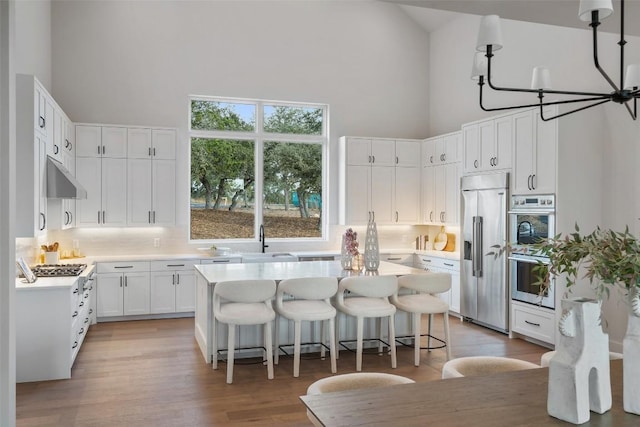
{"x":292,"y":189}
{"x":293,"y":120}
{"x":222,"y":189}
{"x":214,"y":115}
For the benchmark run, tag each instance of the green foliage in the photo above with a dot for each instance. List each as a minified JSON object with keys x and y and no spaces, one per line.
{"x":212,"y":115}
{"x":293,"y":120}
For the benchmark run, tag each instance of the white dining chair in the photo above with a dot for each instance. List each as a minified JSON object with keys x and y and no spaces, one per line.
{"x":423,"y":300}
{"x":309,"y":300}
{"x":369,"y":298}
{"x":243,"y":302}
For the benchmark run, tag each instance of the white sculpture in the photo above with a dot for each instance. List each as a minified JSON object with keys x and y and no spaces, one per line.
{"x":579,"y":378}
{"x":631,"y":351}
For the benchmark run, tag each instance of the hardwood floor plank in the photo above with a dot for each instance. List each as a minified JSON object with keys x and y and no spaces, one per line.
{"x":151,"y":373}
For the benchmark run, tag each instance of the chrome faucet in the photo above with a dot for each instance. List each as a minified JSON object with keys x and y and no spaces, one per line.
{"x":261,"y":238}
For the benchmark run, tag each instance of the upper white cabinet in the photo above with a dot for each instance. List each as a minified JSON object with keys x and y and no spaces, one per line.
{"x":146,"y":143}
{"x":441,"y":179}
{"x":101,"y":141}
{"x":380,"y":180}
{"x":487,"y":145}
{"x":535,"y":156}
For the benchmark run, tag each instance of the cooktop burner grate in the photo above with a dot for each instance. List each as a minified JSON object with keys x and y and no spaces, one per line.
{"x":58,"y":270}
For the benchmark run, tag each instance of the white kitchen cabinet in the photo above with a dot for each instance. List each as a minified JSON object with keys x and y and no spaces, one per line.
{"x":441,"y":193}
{"x":534,"y":153}
{"x":101,"y":141}
{"x":173,"y":286}
{"x":151,"y":192}
{"x":62,"y":212}
{"x":445,"y":265}
{"x":105,"y":180}
{"x":403,"y":259}
{"x":533,"y":321}
{"x":379,"y":180}
{"x":487,"y":145}
{"x":31,"y":157}
{"x":123,"y":289}
{"x":441,"y":149}
{"x":147,"y":143}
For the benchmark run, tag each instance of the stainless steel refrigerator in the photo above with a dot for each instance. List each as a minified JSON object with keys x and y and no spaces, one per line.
{"x":484,"y":291}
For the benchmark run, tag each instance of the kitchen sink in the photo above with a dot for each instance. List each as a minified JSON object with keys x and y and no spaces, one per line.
{"x":268,"y":257}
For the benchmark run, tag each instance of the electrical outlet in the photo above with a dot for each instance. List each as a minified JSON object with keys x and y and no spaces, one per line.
{"x":156,"y":242}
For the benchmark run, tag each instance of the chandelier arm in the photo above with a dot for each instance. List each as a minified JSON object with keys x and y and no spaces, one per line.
{"x":622,"y":43}
{"x":489,"y":55}
{"x":632,"y":113}
{"x":546,"y":119}
{"x":594,"y":24}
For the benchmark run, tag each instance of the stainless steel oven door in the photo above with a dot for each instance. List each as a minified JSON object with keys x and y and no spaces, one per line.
{"x":523,"y":282}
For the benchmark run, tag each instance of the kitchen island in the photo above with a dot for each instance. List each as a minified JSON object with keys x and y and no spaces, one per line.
{"x":208,"y":275}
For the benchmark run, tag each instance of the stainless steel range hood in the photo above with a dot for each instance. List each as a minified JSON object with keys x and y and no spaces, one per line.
{"x":61,"y":184}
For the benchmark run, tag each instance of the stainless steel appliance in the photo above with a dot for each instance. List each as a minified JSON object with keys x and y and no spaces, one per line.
{"x":532,"y":218}
{"x":58,"y":270}
{"x":484,"y":292}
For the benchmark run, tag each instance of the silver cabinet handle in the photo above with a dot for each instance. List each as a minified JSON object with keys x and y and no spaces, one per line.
{"x":475,"y":163}
{"x":123,"y":266}
{"x":178,"y":278}
{"x":532,"y":323}
{"x":173,"y":279}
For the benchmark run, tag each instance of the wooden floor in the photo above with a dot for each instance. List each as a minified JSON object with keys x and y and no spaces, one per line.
{"x":151,"y":373}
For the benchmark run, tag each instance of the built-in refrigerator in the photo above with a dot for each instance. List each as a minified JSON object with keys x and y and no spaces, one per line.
{"x":484,"y":292}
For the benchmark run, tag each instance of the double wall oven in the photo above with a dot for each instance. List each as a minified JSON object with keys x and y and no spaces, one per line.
{"x":532,"y":218}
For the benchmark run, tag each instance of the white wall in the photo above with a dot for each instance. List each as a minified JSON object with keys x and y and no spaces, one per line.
{"x":33,"y":39}
{"x":136,"y":63}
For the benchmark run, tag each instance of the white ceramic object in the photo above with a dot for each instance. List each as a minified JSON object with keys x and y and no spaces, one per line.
{"x":51,"y":257}
{"x":631,"y":351}
{"x":345,"y":256}
{"x":579,"y":377}
{"x":371,"y":249}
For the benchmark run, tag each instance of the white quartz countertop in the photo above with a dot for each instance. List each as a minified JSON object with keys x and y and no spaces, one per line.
{"x":46,"y":283}
{"x":214,"y":273}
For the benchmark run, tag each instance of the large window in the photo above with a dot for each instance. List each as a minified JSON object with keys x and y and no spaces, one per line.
{"x":248,"y":151}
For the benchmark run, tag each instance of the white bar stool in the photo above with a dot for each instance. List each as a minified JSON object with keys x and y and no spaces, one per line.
{"x":370,"y":299}
{"x":243,"y":302}
{"x":310,"y":303}
{"x":483,"y":365}
{"x":422,"y":302}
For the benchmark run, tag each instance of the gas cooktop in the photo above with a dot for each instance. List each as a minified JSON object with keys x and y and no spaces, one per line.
{"x":58,"y":270}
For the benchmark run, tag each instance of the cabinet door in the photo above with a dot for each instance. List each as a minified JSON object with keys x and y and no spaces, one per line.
{"x":544,"y":178}
{"x":49,"y":122}
{"x":41,"y":189}
{"x":524,"y":156}
{"x":428,"y":152}
{"x":163,"y":144}
{"x":136,"y":293}
{"x":451,"y":148}
{"x":454,"y":304}
{"x":452,"y":193}
{"x":358,"y":151}
{"x":110,"y":294}
{"x":139,"y":143}
{"x":428,"y":195}
{"x":471,"y":155}
{"x":358,"y":194}
{"x":88,"y":141}
{"x":439,"y":156}
{"x":55,"y":144}
{"x":163,"y":292}
{"x":440,"y":187}
{"x":486,"y":136}
{"x":407,"y":195}
{"x":383,"y":152}
{"x":408,"y":153}
{"x":89,"y":174}
{"x":163,"y":192}
{"x":382,"y":194}
{"x":114,"y":142}
{"x":114,"y":192}
{"x":139,"y":190}
{"x":39,"y":108}
{"x":503,"y":142}
{"x":185,"y":291}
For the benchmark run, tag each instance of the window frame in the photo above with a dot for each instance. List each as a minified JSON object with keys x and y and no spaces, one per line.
{"x":258,"y":136}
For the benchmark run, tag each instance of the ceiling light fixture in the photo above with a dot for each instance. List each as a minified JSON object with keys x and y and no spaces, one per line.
{"x":490,"y":40}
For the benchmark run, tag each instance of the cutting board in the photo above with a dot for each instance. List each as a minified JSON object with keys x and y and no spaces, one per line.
{"x":451,"y":243}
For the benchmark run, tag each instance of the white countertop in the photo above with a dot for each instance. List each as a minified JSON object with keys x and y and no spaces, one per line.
{"x":46,"y":283}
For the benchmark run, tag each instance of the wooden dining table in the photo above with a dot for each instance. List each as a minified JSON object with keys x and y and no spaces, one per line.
{"x":517,"y":398}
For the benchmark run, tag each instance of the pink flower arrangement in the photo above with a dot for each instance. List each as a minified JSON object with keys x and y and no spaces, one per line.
{"x":351,"y":242}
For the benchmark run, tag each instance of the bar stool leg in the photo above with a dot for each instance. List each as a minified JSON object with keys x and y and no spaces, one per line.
{"x":337,"y":334}
{"x":360,"y":321}
{"x":446,"y":334}
{"x":379,"y":334}
{"x":332,"y":346}
{"x":214,"y":343}
{"x":417,"y":318}
{"x":268,"y":345}
{"x":392,"y":341}
{"x":276,"y":346}
{"x":322,"y":338}
{"x":429,"y":332}
{"x":296,"y":349}
{"x":231,"y":349}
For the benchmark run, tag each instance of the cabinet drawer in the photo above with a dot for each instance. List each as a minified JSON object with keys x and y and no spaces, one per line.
{"x":173,"y":265}
{"x":533,"y":322}
{"x":397,"y":258}
{"x":122,"y":267}
{"x":221,"y":260}
{"x":440,"y":263}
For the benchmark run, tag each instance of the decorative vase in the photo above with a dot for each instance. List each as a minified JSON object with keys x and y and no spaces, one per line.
{"x":371,"y":250}
{"x":346,"y":258}
{"x":631,"y":352}
{"x":51,"y":257}
{"x":579,"y":378}
{"x":357,"y":262}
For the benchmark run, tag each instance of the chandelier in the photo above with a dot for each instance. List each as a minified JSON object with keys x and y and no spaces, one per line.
{"x":490,"y":40}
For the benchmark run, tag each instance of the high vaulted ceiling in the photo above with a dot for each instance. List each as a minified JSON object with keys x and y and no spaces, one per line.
{"x":552,"y":12}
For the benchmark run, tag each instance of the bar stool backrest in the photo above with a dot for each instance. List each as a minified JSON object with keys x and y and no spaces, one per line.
{"x":370,"y":286}
{"x":430,"y":283}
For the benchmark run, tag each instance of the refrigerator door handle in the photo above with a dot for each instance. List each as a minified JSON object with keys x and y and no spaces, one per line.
{"x":477,"y":249}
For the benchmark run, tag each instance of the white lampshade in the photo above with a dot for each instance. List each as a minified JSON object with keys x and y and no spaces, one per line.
{"x":604,"y":7}
{"x":632,"y":76}
{"x":479,"y":67}
{"x":541,"y":78}
{"x":490,"y":32}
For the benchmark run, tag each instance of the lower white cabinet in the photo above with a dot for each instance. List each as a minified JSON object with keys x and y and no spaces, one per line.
{"x":404,"y":259}
{"x":123,"y":289}
{"x":533,"y":321}
{"x":173,"y":286}
{"x":445,"y":265}
{"x":51,"y":324}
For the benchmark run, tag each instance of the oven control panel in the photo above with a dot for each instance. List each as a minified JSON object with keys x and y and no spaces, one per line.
{"x":547,"y":202}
